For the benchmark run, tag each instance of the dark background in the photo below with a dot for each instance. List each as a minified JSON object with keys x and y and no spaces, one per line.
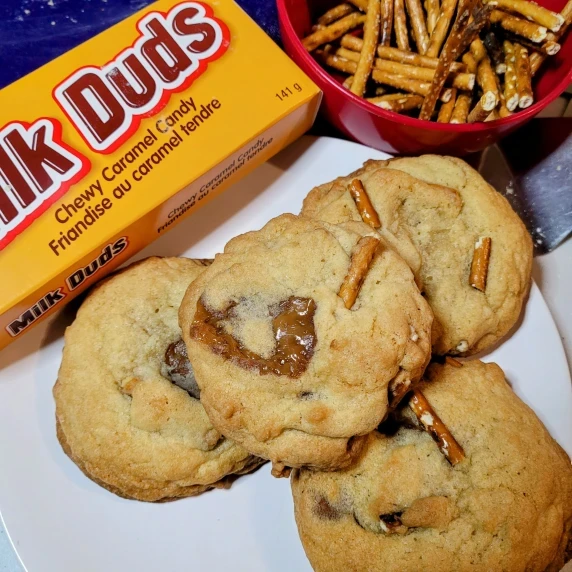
{"x":34,"y":32}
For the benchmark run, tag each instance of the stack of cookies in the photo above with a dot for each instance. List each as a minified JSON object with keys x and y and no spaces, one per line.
{"x":324,"y":343}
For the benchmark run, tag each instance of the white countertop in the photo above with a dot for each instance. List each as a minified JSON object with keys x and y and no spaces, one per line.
{"x":553,"y":275}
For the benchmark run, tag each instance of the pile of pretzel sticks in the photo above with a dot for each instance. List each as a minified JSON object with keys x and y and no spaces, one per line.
{"x":453,"y":61}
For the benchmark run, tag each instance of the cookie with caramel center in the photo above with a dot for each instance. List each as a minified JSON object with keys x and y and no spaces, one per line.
{"x":402,"y":507}
{"x":127,"y":404}
{"x":436,"y":212}
{"x":291,"y":365}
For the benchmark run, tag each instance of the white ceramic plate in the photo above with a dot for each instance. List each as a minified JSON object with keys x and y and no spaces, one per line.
{"x":59,"y":521}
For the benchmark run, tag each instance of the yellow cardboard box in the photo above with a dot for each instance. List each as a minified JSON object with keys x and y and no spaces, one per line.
{"x":110,"y":145}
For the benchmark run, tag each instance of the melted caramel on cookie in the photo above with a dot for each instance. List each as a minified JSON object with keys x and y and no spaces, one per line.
{"x":294,"y":334}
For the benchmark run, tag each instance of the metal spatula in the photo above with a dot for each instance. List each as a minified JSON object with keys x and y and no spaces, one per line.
{"x":533,"y":170}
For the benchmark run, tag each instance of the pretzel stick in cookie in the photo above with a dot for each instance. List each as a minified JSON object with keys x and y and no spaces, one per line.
{"x":398,"y":102}
{"x":363,"y":204}
{"x":510,"y":94}
{"x":370,"y":36}
{"x":463,"y":81}
{"x":480,"y":263}
{"x":446,"y":110}
{"x":523,"y":77}
{"x":531,"y":11}
{"x":418,"y":27}
{"x":462,"y":34}
{"x":400,"y":25}
{"x":334,"y":14}
{"x":386,"y":22}
{"x":537,"y":59}
{"x":518,"y":26}
{"x":486,"y":79}
{"x":333,"y":31}
{"x":360,"y":262}
{"x":436,"y":428}
{"x":396,"y":55}
{"x":432,"y":9}
{"x":494,"y":49}
{"x":439,"y":33}
{"x":453,"y":362}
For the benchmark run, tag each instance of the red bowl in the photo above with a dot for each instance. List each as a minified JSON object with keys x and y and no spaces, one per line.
{"x":394,"y":133}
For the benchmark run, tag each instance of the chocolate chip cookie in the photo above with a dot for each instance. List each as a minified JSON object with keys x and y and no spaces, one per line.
{"x":470,"y":252}
{"x":302,"y":336}
{"x":127,"y":407}
{"x":503,"y":501}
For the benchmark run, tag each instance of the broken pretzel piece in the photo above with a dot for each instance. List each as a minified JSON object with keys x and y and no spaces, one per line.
{"x":480,"y":264}
{"x":391,"y":523}
{"x":436,"y":428}
{"x":363,"y":204}
{"x":359,"y":265}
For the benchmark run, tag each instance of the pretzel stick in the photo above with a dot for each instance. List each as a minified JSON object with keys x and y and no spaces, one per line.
{"x":363,"y":204}
{"x":529,"y":30}
{"x":461,"y":109}
{"x":537,"y":59}
{"x":418,"y":28}
{"x":380,"y":90}
{"x":432,"y":9}
{"x":370,"y":36}
{"x":523,"y":77}
{"x":495,"y":52}
{"x":531,"y":11}
{"x":407,"y":84}
{"x":400,"y":25}
{"x":360,"y":262}
{"x":446,"y":110}
{"x":501,"y":111}
{"x":463,"y":81}
{"x":453,"y":362}
{"x":480,"y":264}
{"x":462,"y":34}
{"x":478,"y":114}
{"x":439,"y":33}
{"x":487,"y":81}
{"x":334,"y":14}
{"x":510,"y":94}
{"x":348,"y":81}
{"x":463,"y":103}
{"x":397,"y":81}
{"x":548,"y":47}
{"x":398,"y":102}
{"x":436,"y":428}
{"x":386,"y":22}
{"x":336,"y":62}
{"x":396,"y":55}
{"x":478,"y":50}
{"x":470,"y":62}
{"x":360,"y":4}
{"x":333,"y":31}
